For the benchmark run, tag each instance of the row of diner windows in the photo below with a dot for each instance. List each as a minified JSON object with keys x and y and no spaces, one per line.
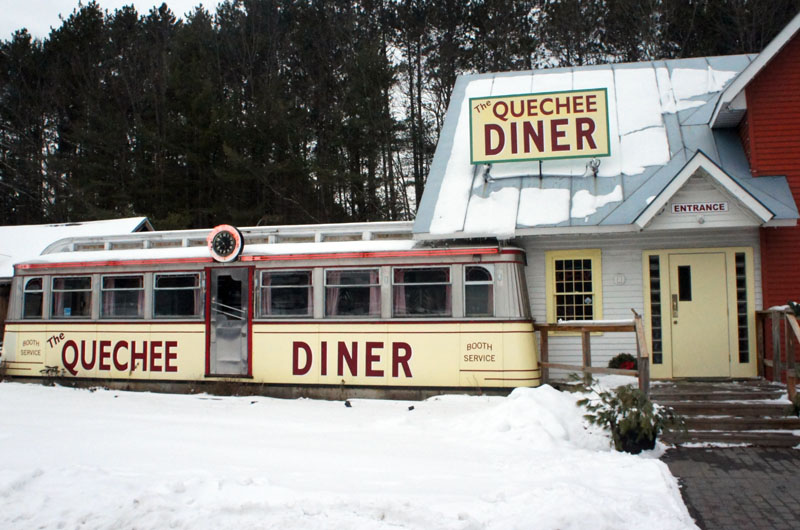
{"x":416,"y":292}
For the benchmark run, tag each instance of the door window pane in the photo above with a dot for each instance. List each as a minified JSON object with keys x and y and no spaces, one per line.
{"x":741,"y":308}
{"x":655,"y":309}
{"x":229,"y":296}
{"x":685,"y":283}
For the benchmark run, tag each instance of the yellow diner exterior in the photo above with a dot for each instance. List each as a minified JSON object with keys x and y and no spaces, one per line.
{"x":379,"y":314}
{"x":471,"y":355}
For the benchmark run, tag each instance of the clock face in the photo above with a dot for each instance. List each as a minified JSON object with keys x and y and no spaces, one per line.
{"x":225,"y":243}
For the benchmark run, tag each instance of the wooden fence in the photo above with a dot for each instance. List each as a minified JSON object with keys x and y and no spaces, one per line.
{"x":783,"y":360}
{"x":586,"y":329}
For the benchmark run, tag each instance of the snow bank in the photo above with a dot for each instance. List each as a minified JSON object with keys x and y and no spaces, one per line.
{"x":104,"y":459}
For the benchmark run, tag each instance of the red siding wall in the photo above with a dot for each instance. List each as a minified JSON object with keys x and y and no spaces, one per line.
{"x":772,"y":126}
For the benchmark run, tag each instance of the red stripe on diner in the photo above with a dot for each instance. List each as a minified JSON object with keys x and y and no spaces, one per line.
{"x":358,"y":265}
{"x":379,"y":254}
{"x":277,"y":257}
{"x":21,"y":369}
{"x":111,"y":263}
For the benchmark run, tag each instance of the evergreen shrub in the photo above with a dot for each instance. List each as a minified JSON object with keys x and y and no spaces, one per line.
{"x":634,"y":421}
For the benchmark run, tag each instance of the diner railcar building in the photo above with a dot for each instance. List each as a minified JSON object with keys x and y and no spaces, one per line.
{"x":300,"y":310}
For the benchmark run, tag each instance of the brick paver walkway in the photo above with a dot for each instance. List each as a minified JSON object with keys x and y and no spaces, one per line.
{"x":742,"y":487}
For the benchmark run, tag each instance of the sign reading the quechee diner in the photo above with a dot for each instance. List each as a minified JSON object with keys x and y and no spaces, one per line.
{"x":547,"y":125}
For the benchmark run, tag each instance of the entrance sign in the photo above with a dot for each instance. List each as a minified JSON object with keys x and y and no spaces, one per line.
{"x":548,"y":125}
{"x":700,"y":207}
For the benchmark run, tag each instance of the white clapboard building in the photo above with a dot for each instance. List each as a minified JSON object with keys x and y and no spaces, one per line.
{"x":630,"y":186}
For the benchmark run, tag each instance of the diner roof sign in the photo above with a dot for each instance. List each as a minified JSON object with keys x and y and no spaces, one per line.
{"x":547,"y":125}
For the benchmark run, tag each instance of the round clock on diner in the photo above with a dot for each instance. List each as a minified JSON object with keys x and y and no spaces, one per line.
{"x":225,"y":243}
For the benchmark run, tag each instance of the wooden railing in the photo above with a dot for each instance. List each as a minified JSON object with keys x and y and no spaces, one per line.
{"x":791,"y":337}
{"x":586,"y":329}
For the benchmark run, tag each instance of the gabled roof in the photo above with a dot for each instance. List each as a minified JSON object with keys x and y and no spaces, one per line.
{"x":731,"y":105}
{"x":659,"y":113}
{"x":25,"y":242}
{"x":701,"y":162}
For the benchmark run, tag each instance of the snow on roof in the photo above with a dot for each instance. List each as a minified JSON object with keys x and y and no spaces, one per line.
{"x":659,"y":114}
{"x":26,"y":242}
{"x":202,"y":252}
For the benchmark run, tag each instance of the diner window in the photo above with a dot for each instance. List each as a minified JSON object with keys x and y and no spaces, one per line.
{"x":33,"y":298}
{"x":72,"y":296}
{"x":354,"y":292}
{"x":123,"y":296}
{"x":177,"y":295}
{"x":478,"y":291}
{"x":574,"y":285}
{"x":286,"y":293}
{"x":421,"y":292}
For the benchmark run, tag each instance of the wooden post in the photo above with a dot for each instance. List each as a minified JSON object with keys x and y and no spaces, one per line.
{"x":776,"y":346}
{"x":760,"y":345}
{"x":787,"y":342}
{"x":587,"y":355}
{"x":791,"y":375}
{"x":643,"y":354}
{"x":792,"y":332}
{"x":544,"y":354}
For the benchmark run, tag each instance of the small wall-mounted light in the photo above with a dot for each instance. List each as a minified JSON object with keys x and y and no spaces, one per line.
{"x":701,"y":219}
{"x":594,"y":165}
{"x":619,"y":279}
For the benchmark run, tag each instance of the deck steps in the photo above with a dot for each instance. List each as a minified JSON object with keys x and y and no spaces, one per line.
{"x":737,"y":409}
{"x":755,"y":439}
{"x":752,"y":412}
{"x":735,"y":424}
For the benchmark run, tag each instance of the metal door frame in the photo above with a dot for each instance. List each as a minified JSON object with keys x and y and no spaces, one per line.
{"x":249,"y":326}
{"x":739,"y":368}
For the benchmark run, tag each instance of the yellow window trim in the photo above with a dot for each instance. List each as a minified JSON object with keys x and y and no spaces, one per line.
{"x":595,"y":255}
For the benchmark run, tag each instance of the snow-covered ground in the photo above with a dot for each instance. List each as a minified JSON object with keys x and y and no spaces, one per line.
{"x":110,"y":459}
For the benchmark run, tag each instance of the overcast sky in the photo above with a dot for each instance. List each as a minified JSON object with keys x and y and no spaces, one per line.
{"x":40,"y":15}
